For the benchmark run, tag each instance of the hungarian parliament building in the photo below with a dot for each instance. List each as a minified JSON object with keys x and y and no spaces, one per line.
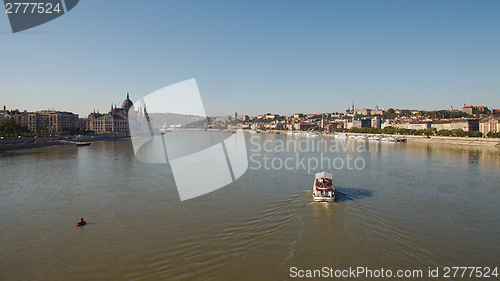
{"x":114,"y":121}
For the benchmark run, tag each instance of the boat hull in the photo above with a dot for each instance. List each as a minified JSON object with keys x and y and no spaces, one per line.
{"x":324,"y":199}
{"x":83,"y":144}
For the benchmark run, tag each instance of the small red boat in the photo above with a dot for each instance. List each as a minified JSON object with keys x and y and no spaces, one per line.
{"x":82,"y":222}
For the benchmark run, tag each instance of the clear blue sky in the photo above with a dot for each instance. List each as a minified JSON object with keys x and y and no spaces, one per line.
{"x":258,"y":56}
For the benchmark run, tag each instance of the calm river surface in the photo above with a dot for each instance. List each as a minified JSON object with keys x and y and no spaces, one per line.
{"x":406,"y":206}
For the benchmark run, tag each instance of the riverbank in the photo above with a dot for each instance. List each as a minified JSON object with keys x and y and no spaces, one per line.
{"x":18,"y":144}
{"x":492,"y":142}
{"x":456,"y":140}
{"x":444,"y":139}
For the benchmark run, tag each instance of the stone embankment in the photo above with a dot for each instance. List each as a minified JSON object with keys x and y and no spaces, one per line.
{"x":433,"y":139}
{"x":445,"y":140}
{"x":17,"y":144}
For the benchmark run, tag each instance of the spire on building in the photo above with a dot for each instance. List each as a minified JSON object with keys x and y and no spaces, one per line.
{"x":352,"y":105}
{"x":127,"y":95}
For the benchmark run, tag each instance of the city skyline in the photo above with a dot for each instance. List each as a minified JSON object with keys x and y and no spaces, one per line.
{"x":352,"y":110}
{"x":256,"y":57}
{"x":352,"y":107}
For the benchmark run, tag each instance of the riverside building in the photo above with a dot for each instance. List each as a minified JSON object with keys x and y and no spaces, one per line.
{"x":489,"y":125}
{"x":115,"y":121}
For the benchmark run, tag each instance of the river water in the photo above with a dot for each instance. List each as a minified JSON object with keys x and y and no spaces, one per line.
{"x":400,"y":206}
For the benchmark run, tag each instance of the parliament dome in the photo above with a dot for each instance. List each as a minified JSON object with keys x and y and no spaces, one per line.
{"x":127,"y":103}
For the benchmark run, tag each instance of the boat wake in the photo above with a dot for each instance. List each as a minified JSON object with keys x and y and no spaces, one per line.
{"x":293,"y":245}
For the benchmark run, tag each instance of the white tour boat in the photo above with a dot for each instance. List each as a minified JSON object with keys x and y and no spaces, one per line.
{"x":323,"y":188}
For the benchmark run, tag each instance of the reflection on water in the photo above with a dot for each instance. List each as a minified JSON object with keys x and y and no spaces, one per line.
{"x":349,"y":194}
{"x":413,"y":206}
